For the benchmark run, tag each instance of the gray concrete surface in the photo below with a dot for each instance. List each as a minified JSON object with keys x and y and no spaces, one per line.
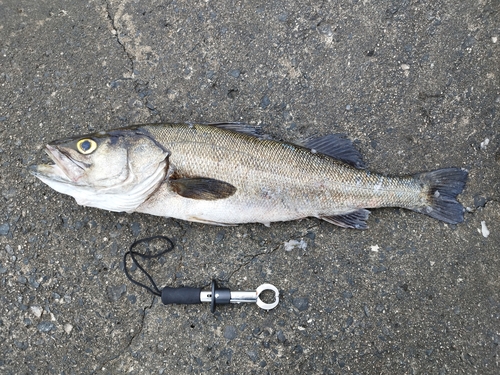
{"x":415,"y":83}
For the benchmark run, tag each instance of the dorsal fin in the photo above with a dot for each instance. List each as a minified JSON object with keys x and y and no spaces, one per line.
{"x":239,"y":127}
{"x":338,"y":147}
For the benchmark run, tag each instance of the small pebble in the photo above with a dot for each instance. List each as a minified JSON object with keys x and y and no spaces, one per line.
{"x":347,"y":294}
{"x":301,"y":303}
{"x":136,"y":229}
{"x":220,"y":236}
{"x":484,"y":230}
{"x":230,"y":332}
{"x":45,"y":326}
{"x":234,"y":73}
{"x":264,"y":103}
{"x":4,"y":229}
{"x":282,"y":17}
{"x":21,"y":345}
{"x":480,"y":201}
{"x":253,"y":355}
{"x":132,"y":299}
{"x":281,"y":336}
{"x":116,"y":292}
{"x":349,"y":321}
{"x":35,"y":284}
{"x":36,"y":310}
{"x":366,"y":311}
{"x":292,"y":244}
{"x":484,"y":144}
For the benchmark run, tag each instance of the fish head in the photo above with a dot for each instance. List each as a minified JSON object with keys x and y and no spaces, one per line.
{"x":116,"y":170}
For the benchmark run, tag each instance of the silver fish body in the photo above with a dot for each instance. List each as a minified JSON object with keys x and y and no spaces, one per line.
{"x":224,"y":174}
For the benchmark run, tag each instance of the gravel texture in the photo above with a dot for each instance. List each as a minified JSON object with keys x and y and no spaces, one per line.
{"x":416,"y":85}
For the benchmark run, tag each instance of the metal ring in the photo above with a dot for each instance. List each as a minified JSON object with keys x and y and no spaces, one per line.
{"x":262,"y":304}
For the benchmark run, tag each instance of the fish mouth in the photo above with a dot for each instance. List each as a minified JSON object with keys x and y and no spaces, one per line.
{"x":65,"y":168}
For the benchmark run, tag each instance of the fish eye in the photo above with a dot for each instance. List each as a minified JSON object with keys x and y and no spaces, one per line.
{"x":86,"y":146}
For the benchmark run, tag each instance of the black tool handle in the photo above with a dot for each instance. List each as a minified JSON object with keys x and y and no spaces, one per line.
{"x":182,"y":295}
{"x":220,"y":296}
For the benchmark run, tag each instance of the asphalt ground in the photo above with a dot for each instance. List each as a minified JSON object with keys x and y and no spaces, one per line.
{"x":416,"y":85}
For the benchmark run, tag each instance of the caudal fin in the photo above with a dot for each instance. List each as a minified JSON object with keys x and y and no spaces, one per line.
{"x":442,"y":187}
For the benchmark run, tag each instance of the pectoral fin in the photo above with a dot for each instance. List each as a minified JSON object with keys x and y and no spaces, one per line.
{"x":202,"y":188}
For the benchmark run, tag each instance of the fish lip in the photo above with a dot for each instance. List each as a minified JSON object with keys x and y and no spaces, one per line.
{"x":64,"y":165}
{"x":55,"y":154}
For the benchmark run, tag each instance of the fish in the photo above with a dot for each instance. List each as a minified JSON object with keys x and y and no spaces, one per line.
{"x":230,"y":174}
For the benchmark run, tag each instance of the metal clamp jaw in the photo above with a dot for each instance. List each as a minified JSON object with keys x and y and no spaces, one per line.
{"x":218,"y":296}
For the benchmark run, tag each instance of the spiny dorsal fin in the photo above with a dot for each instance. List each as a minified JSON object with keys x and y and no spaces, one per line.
{"x":239,"y":127}
{"x":355,"y":220}
{"x":202,"y":188}
{"x":338,"y":147}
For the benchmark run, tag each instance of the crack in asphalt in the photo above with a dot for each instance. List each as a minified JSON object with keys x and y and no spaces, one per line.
{"x":131,"y":340}
{"x":251,"y":258}
{"x":138,"y":85}
{"x":117,"y":36}
{"x":141,"y":325}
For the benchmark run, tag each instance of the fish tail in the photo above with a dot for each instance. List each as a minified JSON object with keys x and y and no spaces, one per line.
{"x":441,"y":188}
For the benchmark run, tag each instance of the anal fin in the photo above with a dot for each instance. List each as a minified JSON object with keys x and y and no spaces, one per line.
{"x":354,"y":220}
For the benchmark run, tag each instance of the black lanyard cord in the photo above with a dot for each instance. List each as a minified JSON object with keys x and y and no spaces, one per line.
{"x":154,"y":290}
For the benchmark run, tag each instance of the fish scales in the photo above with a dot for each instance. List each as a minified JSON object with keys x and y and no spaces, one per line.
{"x":280,"y":176}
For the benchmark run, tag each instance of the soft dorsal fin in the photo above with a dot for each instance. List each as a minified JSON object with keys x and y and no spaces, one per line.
{"x":338,"y":147}
{"x":202,"y":188}
{"x":239,"y":127}
{"x":355,"y":220}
